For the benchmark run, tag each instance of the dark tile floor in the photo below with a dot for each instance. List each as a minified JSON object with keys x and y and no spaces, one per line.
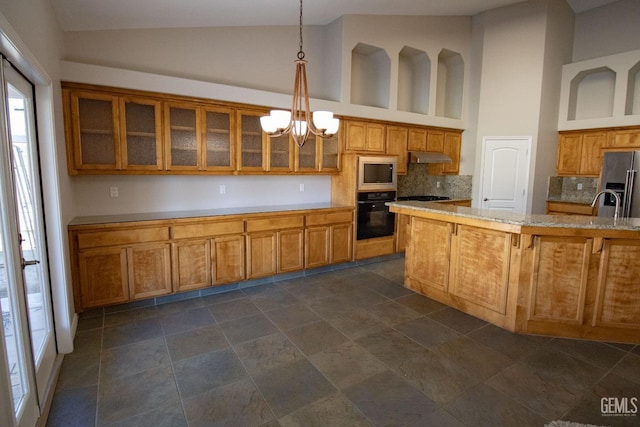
{"x":349,"y":347}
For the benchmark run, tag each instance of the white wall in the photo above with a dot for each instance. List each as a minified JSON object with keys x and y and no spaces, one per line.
{"x":510,"y":76}
{"x":613,"y":28}
{"x":139,"y":194}
{"x":250,"y":57}
{"x":557,"y":52}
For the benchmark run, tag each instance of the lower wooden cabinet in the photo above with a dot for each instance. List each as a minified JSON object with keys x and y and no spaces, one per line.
{"x":104,"y":277}
{"x":274,"y":245}
{"x":192,"y":264}
{"x":122,"y":262}
{"x":119,"y":274}
{"x":199,"y":263}
{"x":228,"y":259}
{"x":329,"y":239}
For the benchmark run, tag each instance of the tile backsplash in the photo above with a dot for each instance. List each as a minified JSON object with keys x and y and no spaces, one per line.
{"x":565,"y":188}
{"x":418,"y":182}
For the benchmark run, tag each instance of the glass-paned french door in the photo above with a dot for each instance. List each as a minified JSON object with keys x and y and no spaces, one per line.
{"x":28,"y":345}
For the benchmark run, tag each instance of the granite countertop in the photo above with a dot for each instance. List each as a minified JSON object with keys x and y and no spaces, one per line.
{"x":525,"y":220}
{"x":154,"y":216}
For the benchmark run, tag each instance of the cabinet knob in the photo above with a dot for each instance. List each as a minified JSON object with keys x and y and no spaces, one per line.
{"x":485,"y":199}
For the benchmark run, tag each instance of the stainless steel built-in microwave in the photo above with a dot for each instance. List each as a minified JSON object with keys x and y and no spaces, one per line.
{"x":377,"y":173}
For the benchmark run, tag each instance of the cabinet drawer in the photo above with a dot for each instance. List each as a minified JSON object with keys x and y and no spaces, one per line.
{"x":210,"y":229}
{"x":122,"y":237}
{"x":277,"y":223}
{"x":329,"y":218}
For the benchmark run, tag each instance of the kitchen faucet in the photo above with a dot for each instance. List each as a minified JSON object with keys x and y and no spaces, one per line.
{"x":617,"y":198}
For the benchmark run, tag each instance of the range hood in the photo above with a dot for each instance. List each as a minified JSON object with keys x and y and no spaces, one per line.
{"x":428,"y":157}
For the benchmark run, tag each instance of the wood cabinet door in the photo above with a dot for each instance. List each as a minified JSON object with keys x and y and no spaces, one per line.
{"x":280,"y":152}
{"x":141,"y":133}
{"x":329,"y":153}
{"x":219,"y":142}
{"x":591,"y":153}
{"x":397,"y":146}
{"x":251,"y":142}
{"x":417,"y":140}
{"x":547,"y":303}
{"x":183,"y":135}
{"x":96,"y":131}
{"x":375,"y":137}
{"x":431,"y":268}
{"x":489,"y":251}
{"x":290,"y":250}
{"x":149,"y":270}
{"x":307,"y":158}
{"x":452,"y":146}
{"x":228,"y":259}
{"x":629,"y":139}
{"x":618,"y":290}
{"x":317,"y":246}
{"x":569,"y":154}
{"x":103,"y":276}
{"x":261,"y":254}
{"x":341,"y":249}
{"x":356,"y":139}
{"x":435,"y":141}
{"x":191,"y":264}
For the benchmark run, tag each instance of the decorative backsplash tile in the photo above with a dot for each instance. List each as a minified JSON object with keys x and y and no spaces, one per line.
{"x":565,"y":188}
{"x":418,"y":182}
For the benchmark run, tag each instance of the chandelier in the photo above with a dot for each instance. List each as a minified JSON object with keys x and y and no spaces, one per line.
{"x":300,"y":122}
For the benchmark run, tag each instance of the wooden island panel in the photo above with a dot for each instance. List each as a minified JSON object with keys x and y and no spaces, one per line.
{"x":618,"y":287}
{"x":567,"y":276}
{"x":487,"y":251}
{"x":431,"y":270}
{"x":559,"y":279}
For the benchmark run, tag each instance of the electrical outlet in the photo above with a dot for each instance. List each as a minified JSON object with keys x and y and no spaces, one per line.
{"x":580,"y":186}
{"x":301,"y":188}
{"x":223,"y":189}
{"x":113,"y":191}
{"x":437,"y":184}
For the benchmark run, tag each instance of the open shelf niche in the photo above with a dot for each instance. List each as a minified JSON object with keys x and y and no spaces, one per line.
{"x":632,"y":105}
{"x":414,"y":80}
{"x":450,"y":84}
{"x":370,"y":76}
{"x":592,"y":94}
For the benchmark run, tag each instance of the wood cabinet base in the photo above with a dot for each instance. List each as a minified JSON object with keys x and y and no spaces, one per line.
{"x":545,"y":280}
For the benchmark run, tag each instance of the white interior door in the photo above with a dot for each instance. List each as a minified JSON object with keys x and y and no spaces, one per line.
{"x":29,"y":343}
{"x":505,"y":173}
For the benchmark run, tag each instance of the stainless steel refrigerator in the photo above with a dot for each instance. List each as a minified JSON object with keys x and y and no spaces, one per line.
{"x":619,"y":173}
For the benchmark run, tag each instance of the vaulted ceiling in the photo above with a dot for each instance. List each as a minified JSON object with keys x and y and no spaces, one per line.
{"x":78,"y":15}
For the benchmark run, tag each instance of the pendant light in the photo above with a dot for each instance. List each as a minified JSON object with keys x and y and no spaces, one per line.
{"x":300,"y":122}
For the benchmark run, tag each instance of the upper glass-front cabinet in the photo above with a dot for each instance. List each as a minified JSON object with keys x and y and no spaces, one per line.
{"x":252,"y":140}
{"x":121,"y":131}
{"x":141,"y":134}
{"x":219,"y":153}
{"x":182,"y":136}
{"x":95,"y":131}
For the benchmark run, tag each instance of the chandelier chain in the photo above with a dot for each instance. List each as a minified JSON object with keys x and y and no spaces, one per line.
{"x":300,"y":52}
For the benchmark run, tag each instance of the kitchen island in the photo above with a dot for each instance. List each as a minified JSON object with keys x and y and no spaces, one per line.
{"x":567,"y":276}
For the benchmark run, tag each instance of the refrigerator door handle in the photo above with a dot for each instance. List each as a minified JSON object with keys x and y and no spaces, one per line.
{"x":628,"y":192}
